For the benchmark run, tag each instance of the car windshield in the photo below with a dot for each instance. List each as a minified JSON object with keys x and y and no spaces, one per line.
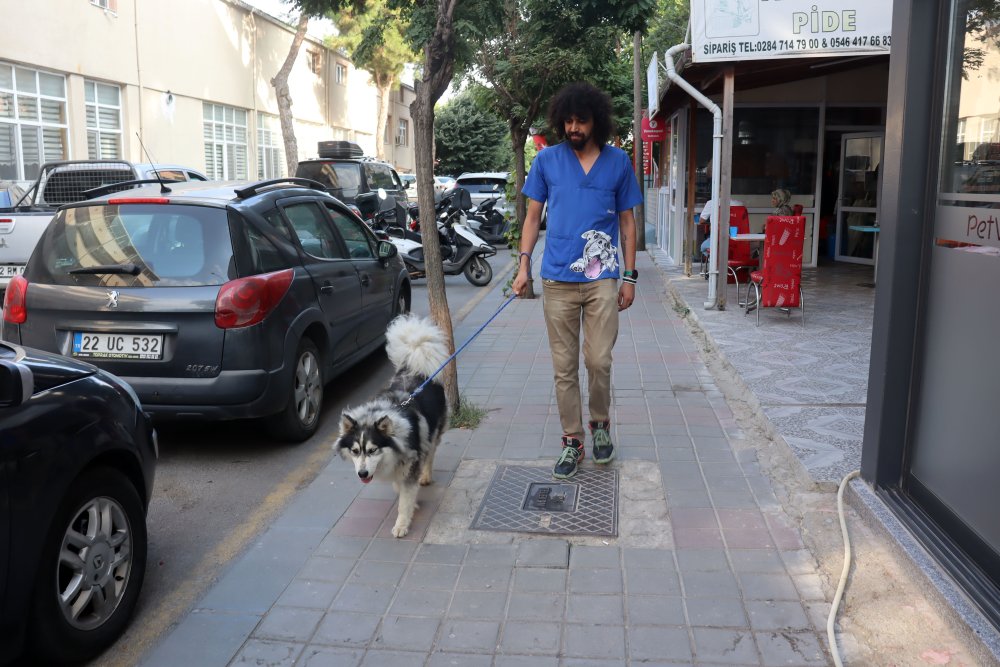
{"x":482,"y":185}
{"x":169,"y":245}
{"x":341,"y":179}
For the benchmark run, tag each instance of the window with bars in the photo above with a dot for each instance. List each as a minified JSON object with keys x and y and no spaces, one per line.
{"x":270,"y":147}
{"x":104,"y":120}
{"x":225,"y":132}
{"x":403,"y":133}
{"x":33,"y":127}
{"x":342,"y":74}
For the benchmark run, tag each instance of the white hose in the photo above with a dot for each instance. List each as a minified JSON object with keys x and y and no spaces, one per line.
{"x":831,"y":636}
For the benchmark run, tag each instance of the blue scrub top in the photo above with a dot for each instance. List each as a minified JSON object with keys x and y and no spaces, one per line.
{"x":582,"y":228}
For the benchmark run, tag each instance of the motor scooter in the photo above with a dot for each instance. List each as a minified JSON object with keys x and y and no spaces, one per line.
{"x":462,"y":250}
{"x":488,"y":222}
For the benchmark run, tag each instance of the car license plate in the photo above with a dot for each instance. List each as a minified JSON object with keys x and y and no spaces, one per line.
{"x":117,"y":346}
{"x":11,"y":270}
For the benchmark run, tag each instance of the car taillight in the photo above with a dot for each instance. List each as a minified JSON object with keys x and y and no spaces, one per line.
{"x":15,"y":301}
{"x":247,"y":301}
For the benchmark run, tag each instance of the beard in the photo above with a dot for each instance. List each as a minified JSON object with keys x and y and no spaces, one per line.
{"x":578,"y":141}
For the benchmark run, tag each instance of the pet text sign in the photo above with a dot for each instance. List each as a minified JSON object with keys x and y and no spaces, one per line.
{"x":723,"y":30}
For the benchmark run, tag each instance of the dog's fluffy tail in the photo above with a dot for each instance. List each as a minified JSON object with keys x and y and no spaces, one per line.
{"x":416,"y":344}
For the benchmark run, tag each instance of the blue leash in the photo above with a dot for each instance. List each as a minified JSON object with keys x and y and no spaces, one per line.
{"x":448,"y":360}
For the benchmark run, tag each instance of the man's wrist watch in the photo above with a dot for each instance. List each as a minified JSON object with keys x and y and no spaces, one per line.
{"x":630,"y":276}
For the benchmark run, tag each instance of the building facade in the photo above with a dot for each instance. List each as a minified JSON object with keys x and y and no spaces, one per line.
{"x":188,"y":84}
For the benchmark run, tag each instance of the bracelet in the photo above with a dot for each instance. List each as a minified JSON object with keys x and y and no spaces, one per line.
{"x":629,"y":280}
{"x":524,"y":254}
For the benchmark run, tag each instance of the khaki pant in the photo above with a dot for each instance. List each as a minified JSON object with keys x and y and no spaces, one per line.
{"x":564,"y":305}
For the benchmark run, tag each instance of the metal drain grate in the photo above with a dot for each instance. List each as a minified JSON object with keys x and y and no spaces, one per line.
{"x":524,"y":499}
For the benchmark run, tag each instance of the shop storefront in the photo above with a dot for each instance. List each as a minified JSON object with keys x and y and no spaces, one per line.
{"x":794,"y":135}
{"x":930,"y":448}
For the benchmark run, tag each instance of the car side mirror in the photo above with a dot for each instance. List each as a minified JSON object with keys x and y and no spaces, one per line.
{"x":386,"y":250}
{"x":16,"y":384}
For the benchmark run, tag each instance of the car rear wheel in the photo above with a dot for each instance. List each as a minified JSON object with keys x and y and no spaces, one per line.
{"x":478,"y":271}
{"x":300,"y":418}
{"x":91,"y":570}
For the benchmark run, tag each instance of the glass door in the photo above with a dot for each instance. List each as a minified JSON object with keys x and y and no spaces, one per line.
{"x":857,"y":203}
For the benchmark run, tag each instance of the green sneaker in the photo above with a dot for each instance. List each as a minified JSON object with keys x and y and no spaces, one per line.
{"x":572,"y":454}
{"x":604,"y":450}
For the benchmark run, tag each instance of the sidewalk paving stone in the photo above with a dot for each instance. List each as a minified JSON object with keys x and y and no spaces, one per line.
{"x":705,"y":569}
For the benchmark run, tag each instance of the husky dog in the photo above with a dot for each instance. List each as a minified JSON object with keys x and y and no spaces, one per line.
{"x":392,"y":441}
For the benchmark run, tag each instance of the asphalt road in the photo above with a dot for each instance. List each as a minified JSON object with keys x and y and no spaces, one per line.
{"x":220,"y":485}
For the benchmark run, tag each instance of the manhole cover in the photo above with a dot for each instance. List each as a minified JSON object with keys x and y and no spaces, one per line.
{"x":524,"y":499}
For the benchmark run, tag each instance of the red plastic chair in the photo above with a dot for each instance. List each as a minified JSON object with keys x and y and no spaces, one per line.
{"x":741,"y":253}
{"x":778,"y":284}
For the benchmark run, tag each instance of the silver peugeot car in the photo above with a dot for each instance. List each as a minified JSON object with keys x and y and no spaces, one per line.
{"x":212,"y":300}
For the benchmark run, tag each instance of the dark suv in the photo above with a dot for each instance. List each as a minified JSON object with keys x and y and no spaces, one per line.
{"x":212,"y":300}
{"x":346,"y":173}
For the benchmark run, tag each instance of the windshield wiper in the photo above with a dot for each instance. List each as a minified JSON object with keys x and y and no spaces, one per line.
{"x":129,"y":268}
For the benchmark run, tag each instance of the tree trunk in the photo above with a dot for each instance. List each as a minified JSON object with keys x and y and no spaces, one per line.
{"x":280,"y":83}
{"x":384,"y":85}
{"x":519,"y":135}
{"x":439,"y":65}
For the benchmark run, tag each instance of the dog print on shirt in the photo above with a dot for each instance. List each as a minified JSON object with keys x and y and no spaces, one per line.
{"x":599,"y":255}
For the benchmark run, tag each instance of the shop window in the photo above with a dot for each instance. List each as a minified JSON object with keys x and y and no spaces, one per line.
{"x":969,"y":172}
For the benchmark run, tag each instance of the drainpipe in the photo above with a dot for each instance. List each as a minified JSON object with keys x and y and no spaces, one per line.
{"x":713,"y":261}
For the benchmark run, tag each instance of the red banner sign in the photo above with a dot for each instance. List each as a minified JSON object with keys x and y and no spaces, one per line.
{"x":653,"y":129}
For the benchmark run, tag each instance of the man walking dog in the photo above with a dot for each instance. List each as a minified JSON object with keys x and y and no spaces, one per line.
{"x":590,"y":189}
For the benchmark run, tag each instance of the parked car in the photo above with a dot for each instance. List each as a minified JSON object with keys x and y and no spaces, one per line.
{"x":22,"y":223}
{"x":168,"y":172}
{"x":77,"y":464}
{"x":346,"y":172}
{"x":442,"y":184}
{"x":214,"y":301}
{"x":409,"y":184}
{"x":485,"y":185}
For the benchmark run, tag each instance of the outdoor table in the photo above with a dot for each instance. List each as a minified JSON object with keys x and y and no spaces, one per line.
{"x":869,"y":229}
{"x":744,"y":237}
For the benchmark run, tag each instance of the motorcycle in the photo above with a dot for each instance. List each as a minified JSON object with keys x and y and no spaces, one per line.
{"x":462,"y":251}
{"x":488,"y":222}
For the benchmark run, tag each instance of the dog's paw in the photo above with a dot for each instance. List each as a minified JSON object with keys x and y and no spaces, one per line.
{"x":426,"y":480}
{"x":400,"y":531}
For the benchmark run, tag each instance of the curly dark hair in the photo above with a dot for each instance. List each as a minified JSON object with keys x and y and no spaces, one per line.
{"x":586,"y":102}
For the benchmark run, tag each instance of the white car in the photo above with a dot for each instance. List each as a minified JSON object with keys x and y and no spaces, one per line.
{"x":443,"y":183}
{"x":168,"y":172}
{"x":485,"y":185}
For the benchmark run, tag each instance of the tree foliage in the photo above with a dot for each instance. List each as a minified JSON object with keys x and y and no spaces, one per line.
{"x":374,"y":37}
{"x":667,"y":28}
{"x":469,"y":138}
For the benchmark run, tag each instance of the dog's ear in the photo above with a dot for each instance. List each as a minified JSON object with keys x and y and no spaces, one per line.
{"x":385,"y":426}
{"x":347,"y":423}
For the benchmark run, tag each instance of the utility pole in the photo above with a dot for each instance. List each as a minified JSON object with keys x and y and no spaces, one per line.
{"x":640,"y":210}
